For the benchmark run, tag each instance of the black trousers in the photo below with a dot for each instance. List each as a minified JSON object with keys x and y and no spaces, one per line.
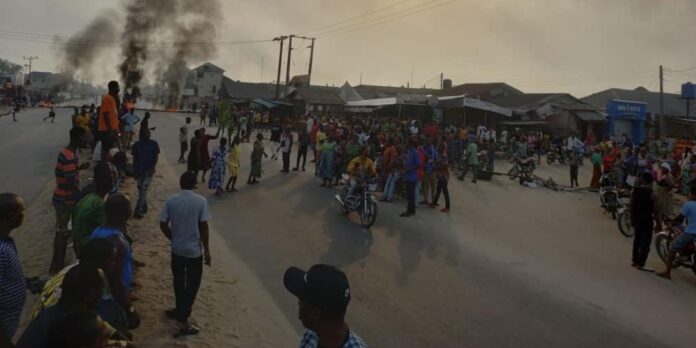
{"x":641,"y":242}
{"x":442,"y":188}
{"x":187,"y":275}
{"x":286,"y":161}
{"x":573,"y":175}
{"x":411,"y":196}
{"x":301,"y":153}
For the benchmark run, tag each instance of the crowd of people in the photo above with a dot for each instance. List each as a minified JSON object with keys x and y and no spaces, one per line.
{"x":90,"y":303}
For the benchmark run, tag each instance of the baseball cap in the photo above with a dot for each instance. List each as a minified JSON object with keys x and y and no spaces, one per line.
{"x":666,"y":165}
{"x":324,"y":287}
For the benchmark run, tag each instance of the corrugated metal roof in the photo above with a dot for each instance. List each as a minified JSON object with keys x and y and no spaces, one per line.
{"x":590,"y":116}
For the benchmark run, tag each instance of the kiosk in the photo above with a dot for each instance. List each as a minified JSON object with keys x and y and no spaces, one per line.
{"x":626,"y":117}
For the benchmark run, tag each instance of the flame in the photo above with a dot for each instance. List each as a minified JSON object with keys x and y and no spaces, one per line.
{"x":170,"y":110}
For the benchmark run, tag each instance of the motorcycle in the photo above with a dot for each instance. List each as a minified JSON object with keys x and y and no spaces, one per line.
{"x":361,"y":200}
{"x":663,"y":240}
{"x":609,"y":194}
{"x":556,"y":154}
{"x":623,"y":219}
{"x":522,"y":168}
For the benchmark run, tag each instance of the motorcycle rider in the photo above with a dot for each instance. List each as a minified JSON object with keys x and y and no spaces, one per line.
{"x":688,"y":211}
{"x":359,"y":168}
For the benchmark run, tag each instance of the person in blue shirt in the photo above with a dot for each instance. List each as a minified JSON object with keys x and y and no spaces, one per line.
{"x":688,"y":212}
{"x":118,"y":211}
{"x":145,"y":154}
{"x":413,"y":162}
{"x":129,"y":119}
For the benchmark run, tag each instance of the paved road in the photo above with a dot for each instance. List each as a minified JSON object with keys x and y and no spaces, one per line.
{"x":29,"y":148}
{"x":508,"y":267}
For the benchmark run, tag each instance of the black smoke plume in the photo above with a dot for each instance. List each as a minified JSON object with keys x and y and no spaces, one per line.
{"x":83,"y":48}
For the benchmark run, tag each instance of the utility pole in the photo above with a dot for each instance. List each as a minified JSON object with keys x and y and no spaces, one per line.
{"x":442,"y":81}
{"x":280,"y":64}
{"x":662,"y":103}
{"x":311,"y":60}
{"x":287,"y":71}
{"x":261,"y":68}
{"x":30,"y":59}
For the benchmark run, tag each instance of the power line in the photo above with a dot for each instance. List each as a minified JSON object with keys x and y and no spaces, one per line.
{"x":376,"y":19}
{"x":361,"y":27}
{"x":681,"y":70}
{"x":356,"y":17}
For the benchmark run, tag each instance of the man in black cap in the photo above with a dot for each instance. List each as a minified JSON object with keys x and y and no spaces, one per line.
{"x":323,"y":294}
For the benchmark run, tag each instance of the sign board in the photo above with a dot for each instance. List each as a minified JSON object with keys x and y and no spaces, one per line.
{"x":624,"y":108}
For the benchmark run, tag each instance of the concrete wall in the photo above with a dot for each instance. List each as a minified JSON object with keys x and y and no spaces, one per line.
{"x":207,"y":83}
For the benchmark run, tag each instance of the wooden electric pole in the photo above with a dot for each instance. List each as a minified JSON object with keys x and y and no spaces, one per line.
{"x":662,"y":103}
{"x":30,"y":59}
{"x":287,"y":72}
{"x":280,"y":64}
{"x":311,"y":60}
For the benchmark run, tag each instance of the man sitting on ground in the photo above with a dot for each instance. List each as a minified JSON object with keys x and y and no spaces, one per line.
{"x":118,"y":211}
{"x":81,"y":290}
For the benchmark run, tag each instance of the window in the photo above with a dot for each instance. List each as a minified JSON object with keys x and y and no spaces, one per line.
{"x":214,"y":88}
{"x":320,"y":108}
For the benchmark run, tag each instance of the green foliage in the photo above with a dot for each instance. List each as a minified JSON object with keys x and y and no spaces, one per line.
{"x":224,"y":113}
{"x":9,"y":68}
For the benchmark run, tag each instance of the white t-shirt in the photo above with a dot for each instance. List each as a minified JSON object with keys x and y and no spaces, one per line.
{"x":184,"y":211}
{"x":183,"y":133}
{"x":310,"y":124}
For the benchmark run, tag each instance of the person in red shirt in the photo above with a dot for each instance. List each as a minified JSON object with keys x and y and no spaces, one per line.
{"x":431,"y":131}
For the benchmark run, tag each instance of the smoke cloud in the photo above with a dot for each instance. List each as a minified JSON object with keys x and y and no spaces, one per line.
{"x":83,"y":48}
{"x":163,"y":36}
{"x":193,"y":33}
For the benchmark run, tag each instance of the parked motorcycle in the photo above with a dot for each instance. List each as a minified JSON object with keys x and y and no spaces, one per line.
{"x":361,"y":200}
{"x":522,"y":168}
{"x":663,"y":240}
{"x":609,"y":194}
{"x":624,"y":219}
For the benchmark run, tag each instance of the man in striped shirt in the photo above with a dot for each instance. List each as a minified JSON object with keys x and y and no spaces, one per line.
{"x":66,"y":195}
{"x":13,"y":286}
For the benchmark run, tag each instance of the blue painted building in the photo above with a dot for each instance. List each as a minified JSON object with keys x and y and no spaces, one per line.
{"x":626,"y":117}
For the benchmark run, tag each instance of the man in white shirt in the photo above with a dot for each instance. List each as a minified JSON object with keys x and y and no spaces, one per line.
{"x":414,"y":128}
{"x":184,"y":221}
{"x":504,"y":136}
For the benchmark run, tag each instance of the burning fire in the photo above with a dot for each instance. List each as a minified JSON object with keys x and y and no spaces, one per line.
{"x":170,"y":110}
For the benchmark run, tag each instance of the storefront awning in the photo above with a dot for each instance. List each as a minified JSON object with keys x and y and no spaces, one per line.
{"x":269,"y":104}
{"x":464,"y":101}
{"x":523,"y":123}
{"x":590,"y":116}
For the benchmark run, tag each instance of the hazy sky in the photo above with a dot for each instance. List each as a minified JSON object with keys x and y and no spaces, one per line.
{"x":535,"y":45}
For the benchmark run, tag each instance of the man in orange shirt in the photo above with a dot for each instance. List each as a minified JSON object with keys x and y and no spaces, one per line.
{"x":107,"y":123}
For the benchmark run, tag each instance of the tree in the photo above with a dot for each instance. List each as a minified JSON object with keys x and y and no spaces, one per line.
{"x":8,"y":68}
{"x":225,"y":109}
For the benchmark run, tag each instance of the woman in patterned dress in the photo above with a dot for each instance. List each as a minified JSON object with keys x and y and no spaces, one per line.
{"x":218,"y":167}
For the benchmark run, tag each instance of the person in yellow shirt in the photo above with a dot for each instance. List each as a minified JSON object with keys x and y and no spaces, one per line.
{"x":359,"y":168}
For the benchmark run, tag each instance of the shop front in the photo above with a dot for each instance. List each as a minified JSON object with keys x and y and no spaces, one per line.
{"x":626,"y":118}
